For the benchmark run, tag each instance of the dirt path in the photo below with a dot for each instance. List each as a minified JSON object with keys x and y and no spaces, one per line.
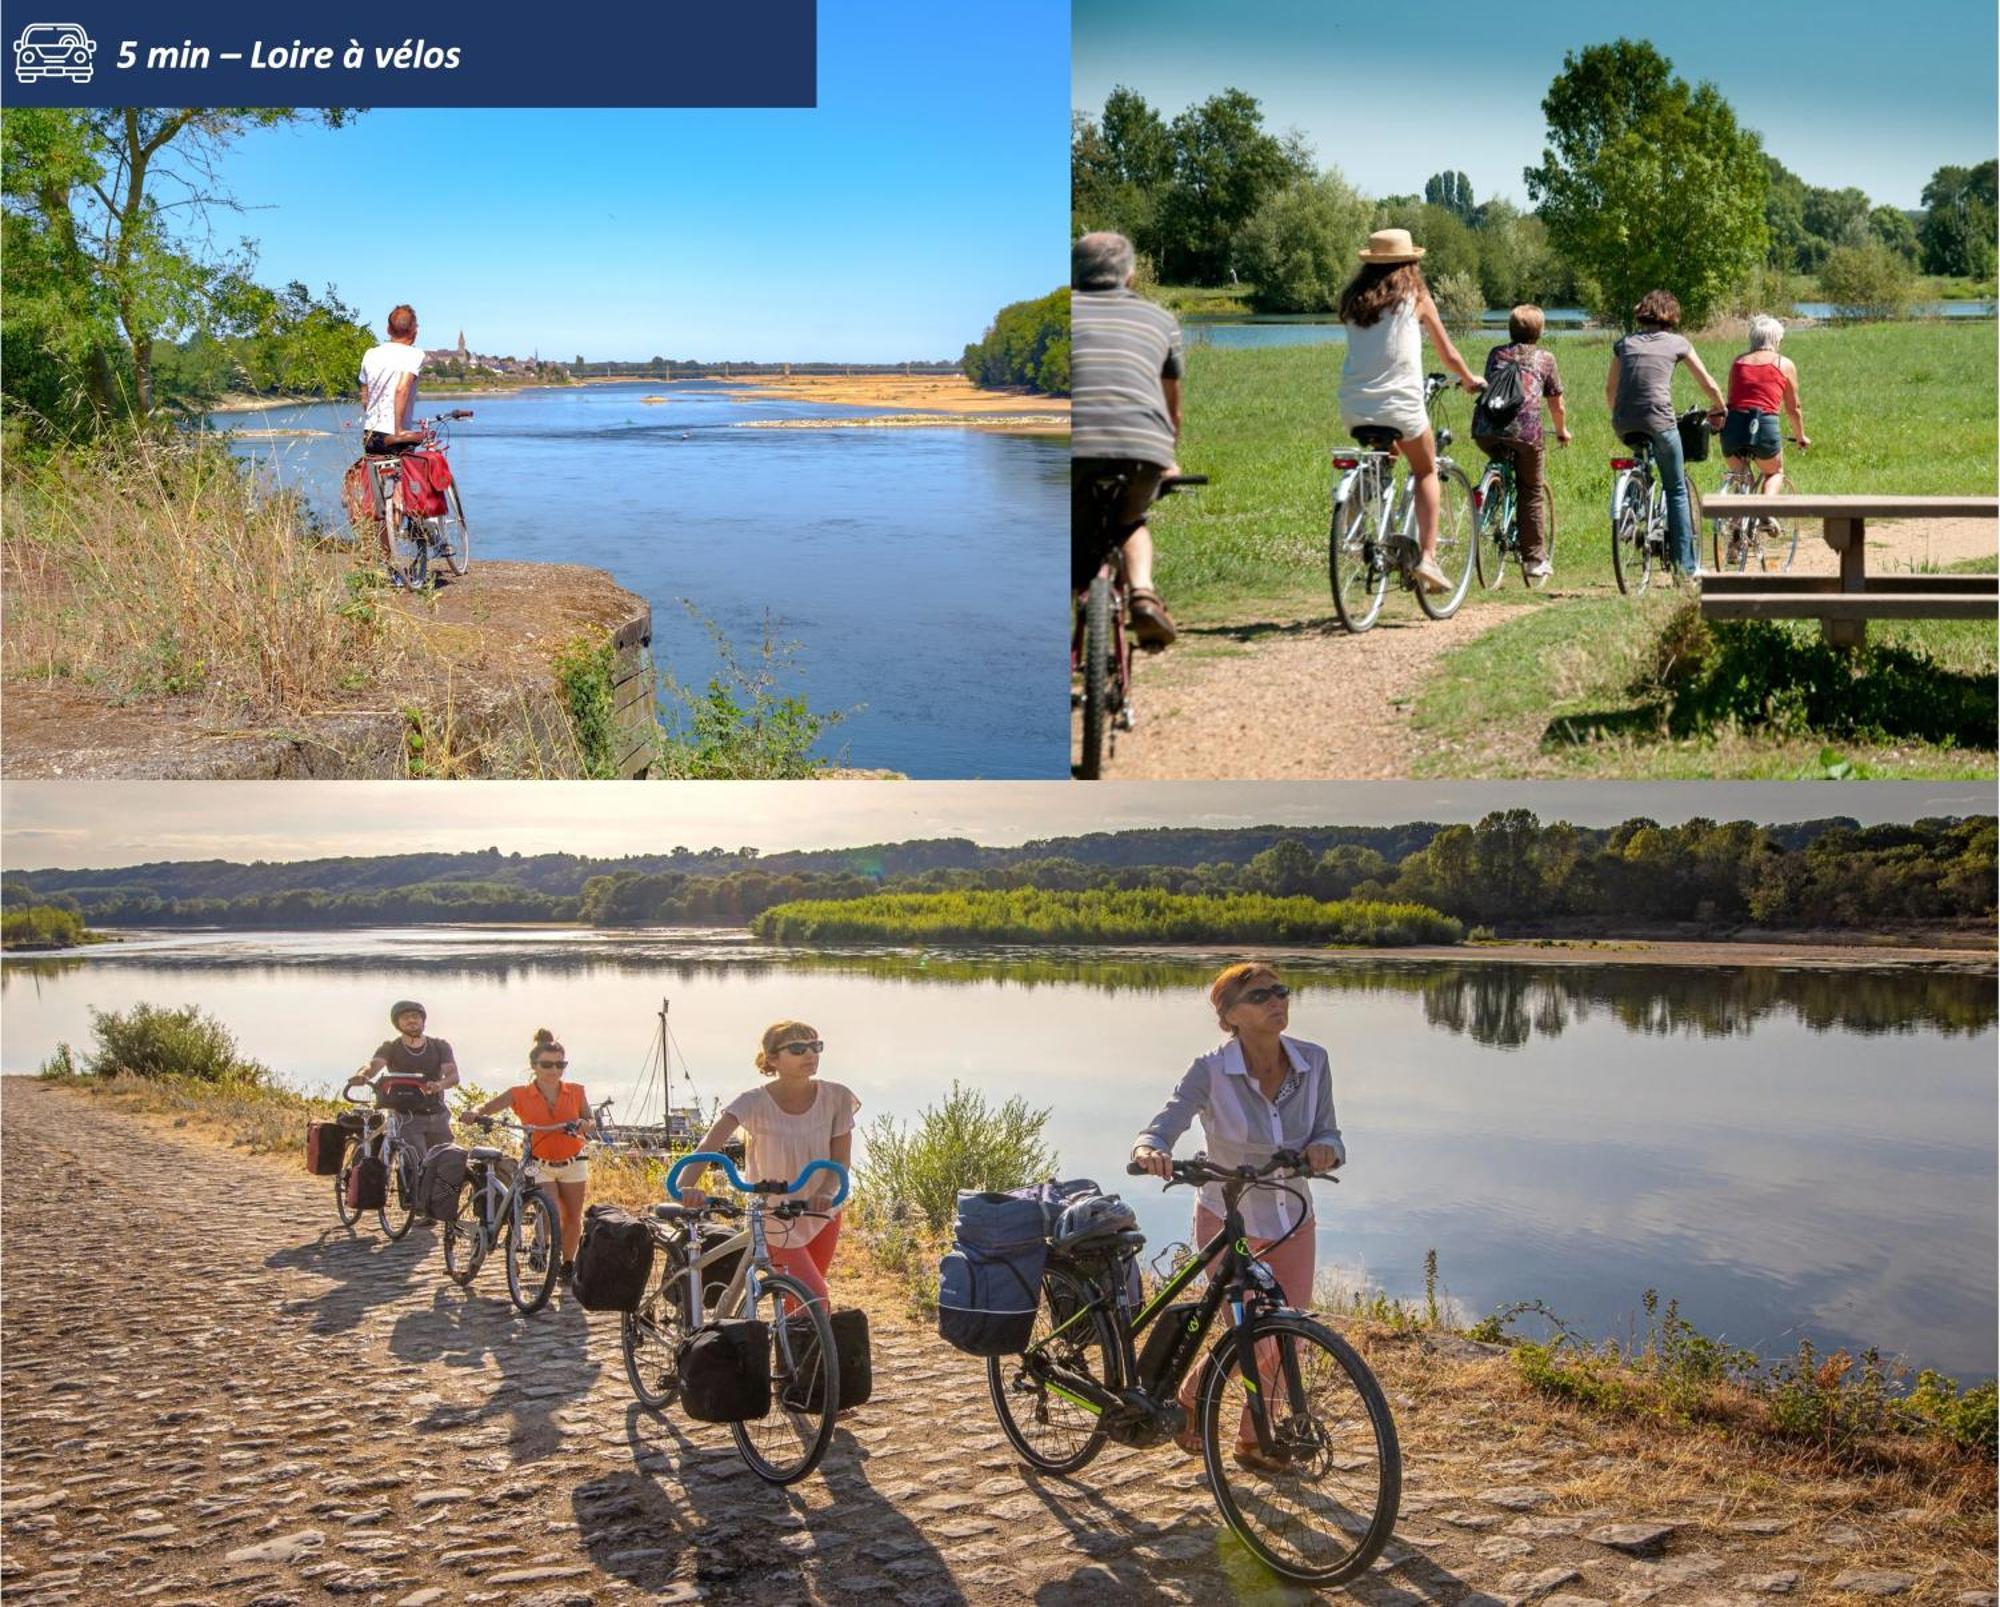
{"x":1286,"y":699}
{"x":215,"y":1394}
{"x":1904,"y":546}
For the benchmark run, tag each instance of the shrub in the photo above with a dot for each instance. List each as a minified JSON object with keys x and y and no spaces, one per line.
{"x":583,"y":671}
{"x":962,"y":1143}
{"x":742,"y":726}
{"x":1869,"y":281}
{"x":1460,"y":301}
{"x":42,"y":927}
{"x":1298,"y":247}
{"x":149,"y":1041}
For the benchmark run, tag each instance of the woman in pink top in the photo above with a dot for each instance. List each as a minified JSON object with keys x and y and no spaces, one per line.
{"x":790,"y":1120}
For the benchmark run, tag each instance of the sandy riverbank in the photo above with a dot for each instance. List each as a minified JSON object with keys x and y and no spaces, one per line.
{"x":916,"y":393}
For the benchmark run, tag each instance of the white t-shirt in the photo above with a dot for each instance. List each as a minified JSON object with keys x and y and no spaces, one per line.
{"x":380,"y":370}
{"x":781,"y":1144}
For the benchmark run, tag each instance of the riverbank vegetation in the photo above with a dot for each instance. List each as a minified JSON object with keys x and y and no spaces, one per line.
{"x":42,"y":926}
{"x":1106,"y":916}
{"x":1026,"y":346}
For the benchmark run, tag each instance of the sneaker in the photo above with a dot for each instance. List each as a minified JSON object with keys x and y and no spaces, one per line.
{"x":1541,"y":569}
{"x":1430,"y":577}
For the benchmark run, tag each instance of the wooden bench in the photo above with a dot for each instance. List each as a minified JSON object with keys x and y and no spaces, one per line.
{"x":1844,"y":603}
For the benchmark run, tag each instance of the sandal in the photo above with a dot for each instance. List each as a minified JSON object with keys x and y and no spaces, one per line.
{"x":1249,"y":1455}
{"x":1152,"y":627}
{"x":1189,"y":1440}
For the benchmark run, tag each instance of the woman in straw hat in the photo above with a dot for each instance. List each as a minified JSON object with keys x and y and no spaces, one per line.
{"x":1387,"y":309}
{"x":1260,"y":1092}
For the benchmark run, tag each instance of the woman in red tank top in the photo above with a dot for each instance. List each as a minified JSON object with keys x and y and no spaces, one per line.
{"x":1761,"y":384}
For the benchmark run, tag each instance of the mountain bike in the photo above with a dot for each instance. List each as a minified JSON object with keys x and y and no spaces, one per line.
{"x":1374,"y":529}
{"x":378,"y":1132}
{"x":1100,"y":648}
{"x":1639,"y":519}
{"x":1324,"y":1502}
{"x":1767,"y":545}
{"x":502,"y":1198}
{"x":414,"y":539}
{"x":707,"y":1276}
{"x":1499,"y":519}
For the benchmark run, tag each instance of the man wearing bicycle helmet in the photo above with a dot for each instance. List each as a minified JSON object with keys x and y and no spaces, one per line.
{"x":413,"y":1053}
{"x":1125,"y":390}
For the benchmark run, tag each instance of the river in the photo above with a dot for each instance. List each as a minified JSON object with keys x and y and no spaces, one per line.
{"x":903,"y":562}
{"x":1789,"y":1153}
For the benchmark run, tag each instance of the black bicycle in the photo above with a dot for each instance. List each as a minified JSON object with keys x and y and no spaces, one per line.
{"x":1316,"y":1500}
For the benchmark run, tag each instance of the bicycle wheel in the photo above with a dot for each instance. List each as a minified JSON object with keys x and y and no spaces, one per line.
{"x":399,"y":1196}
{"x":1631,"y":549}
{"x":450,"y":539}
{"x":1777,"y":542}
{"x":786,"y":1444}
{"x":1491,"y":548}
{"x":464,"y":1235}
{"x":410,"y":553}
{"x":1052,"y":1430}
{"x":1536,"y":582}
{"x":533,"y":1252}
{"x":1455,"y":543}
{"x":1097,"y":678}
{"x":651,"y":1340}
{"x":1725,"y":542}
{"x":349,"y":1215}
{"x":1354,"y":559}
{"x":1327,"y":1515}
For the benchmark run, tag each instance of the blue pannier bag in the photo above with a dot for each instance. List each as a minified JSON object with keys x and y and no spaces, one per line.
{"x":990,"y":1282}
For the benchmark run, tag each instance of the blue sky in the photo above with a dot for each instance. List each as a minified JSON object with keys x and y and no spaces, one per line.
{"x":928,"y":188}
{"x":1843,"y":91}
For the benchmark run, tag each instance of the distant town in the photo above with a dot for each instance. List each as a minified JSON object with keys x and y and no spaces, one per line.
{"x":461,"y":362}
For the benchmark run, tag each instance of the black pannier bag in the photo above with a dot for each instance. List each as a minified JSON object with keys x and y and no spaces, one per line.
{"x":368,"y":1184}
{"x":326,"y":1143}
{"x":614,"y":1261}
{"x":725,"y":1372}
{"x":855,"y":1365}
{"x":990,"y":1281}
{"x":439,"y":1180}
{"x":718,"y":1274}
{"x":1693,"y":427}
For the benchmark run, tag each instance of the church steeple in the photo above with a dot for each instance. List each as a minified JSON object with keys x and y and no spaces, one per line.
{"x":461,"y":344}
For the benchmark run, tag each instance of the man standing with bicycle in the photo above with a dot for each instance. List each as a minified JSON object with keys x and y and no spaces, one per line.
{"x":1125,"y":388}
{"x":389,"y":403}
{"x":413,"y":1053}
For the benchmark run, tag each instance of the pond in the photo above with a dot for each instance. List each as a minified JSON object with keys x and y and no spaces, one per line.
{"x":1789,"y":1153}
{"x":901,"y":561}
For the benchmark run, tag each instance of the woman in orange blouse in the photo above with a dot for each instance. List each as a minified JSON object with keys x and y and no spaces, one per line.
{"x":548,"y":1101}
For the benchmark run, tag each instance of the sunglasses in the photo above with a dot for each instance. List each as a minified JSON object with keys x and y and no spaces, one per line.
{"x":808,"y":1047}
{"x":1277,"y":990}
{"x":552,"y":1065}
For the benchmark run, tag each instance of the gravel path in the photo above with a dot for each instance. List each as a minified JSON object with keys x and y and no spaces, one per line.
{"x":242,"y":1403}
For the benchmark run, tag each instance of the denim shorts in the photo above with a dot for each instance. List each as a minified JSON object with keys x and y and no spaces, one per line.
{"x":1747,"y":433}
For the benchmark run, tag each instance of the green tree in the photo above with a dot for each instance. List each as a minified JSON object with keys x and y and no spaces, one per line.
{"x":1959,"y":215}
{"x":1449,"y":243}
{"x":1867,"y":281}
{"x":1298,"y":249}
{"x":1452,"y":191}
{"x":1225,"y":165}
{"x":1838,"y":217}
{"x":1026,"y":345}
{"x":1893,"y":228}
{"x":1647,"y":183}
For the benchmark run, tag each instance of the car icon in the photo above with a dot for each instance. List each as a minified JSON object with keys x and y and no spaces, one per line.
{"x":53,"y":50}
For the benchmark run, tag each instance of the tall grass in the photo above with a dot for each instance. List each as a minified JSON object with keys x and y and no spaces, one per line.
{"x":917,"y":1169}
{"x":1900,"y":407}
{"x":139,"y":567}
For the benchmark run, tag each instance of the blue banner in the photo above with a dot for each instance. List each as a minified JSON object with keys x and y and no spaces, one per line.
{"x":235,"y":53}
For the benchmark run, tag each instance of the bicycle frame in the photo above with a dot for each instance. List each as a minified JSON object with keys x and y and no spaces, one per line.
{"x":495,"y":1199}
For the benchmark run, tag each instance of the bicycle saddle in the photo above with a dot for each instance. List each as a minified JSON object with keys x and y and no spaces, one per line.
{"x":1377,"y":437}
{"x":1638,"y":438}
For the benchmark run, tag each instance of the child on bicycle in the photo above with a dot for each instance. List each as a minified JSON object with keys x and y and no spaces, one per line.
{"x":791,"y":1120}
{"x":1520,"y":376}
{"x":1388,"y":311}
{"x":547,"y":1100}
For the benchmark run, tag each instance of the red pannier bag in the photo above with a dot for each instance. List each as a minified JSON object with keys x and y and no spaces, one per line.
{"x":426,"y":476}
{"x":326,"y":1142}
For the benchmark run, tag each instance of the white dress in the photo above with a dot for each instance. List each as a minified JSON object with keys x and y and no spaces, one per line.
{"x":1382,"y":379}
{"x":781,"y":1144}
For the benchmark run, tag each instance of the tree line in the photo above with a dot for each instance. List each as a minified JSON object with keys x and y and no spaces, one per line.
{"x":1026,"y":345}
{"x":1644,"y":181}
{"x":1510,"y":871}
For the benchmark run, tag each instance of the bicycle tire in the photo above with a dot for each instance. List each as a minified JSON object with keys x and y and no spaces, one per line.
{"x":455,"y":547}
{"x":349,"y":1215}
{"x":1537,"y":582}
{"x":1320,"y":1447}
{"x":1353,"y":556}
{"x":790,"y":1419}
{"x":650,"y":1339}
{"x":1456,"y":543}
{"x":1779,"y":551}
{"x":1631,"y":558}
{"x":1490,"y":549}
{"x":1097,"y":651}
{"x":529,"y":1284}
{"x":1723,"y":532}
{"x":398,"y":1210}
{"x":464,"y":1236}
{"x":1005,"y":1378}
{"x":410,"y":553}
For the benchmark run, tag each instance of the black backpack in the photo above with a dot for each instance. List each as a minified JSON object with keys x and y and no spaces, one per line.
{"x":614,"y":1260}
{"x":725,"y":1372}
{"x":1505,"y":395}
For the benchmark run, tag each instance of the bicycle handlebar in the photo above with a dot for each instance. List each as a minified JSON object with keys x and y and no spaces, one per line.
{"x":1200,"y":1169}
{"x":711,"y":1158}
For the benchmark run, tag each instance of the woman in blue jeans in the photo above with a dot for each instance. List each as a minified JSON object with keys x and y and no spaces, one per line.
{"x":1640,"y":393}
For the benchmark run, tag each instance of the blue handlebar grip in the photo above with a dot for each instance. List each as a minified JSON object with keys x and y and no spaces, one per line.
{"x":834,"y":1167}
{"x":708,"y":1157}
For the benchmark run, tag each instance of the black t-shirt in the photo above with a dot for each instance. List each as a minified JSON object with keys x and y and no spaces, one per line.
{"x":428,"y":1062}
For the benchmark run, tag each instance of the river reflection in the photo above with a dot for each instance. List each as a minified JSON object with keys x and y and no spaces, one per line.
{"x":1789,"y":1151}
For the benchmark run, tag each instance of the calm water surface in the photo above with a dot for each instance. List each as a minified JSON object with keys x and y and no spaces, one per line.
{"x":1790,"y":1153}
{"x":903,"y":562}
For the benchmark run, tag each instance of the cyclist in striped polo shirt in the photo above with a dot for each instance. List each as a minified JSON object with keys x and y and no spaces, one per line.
{"x":1125,"y":415}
